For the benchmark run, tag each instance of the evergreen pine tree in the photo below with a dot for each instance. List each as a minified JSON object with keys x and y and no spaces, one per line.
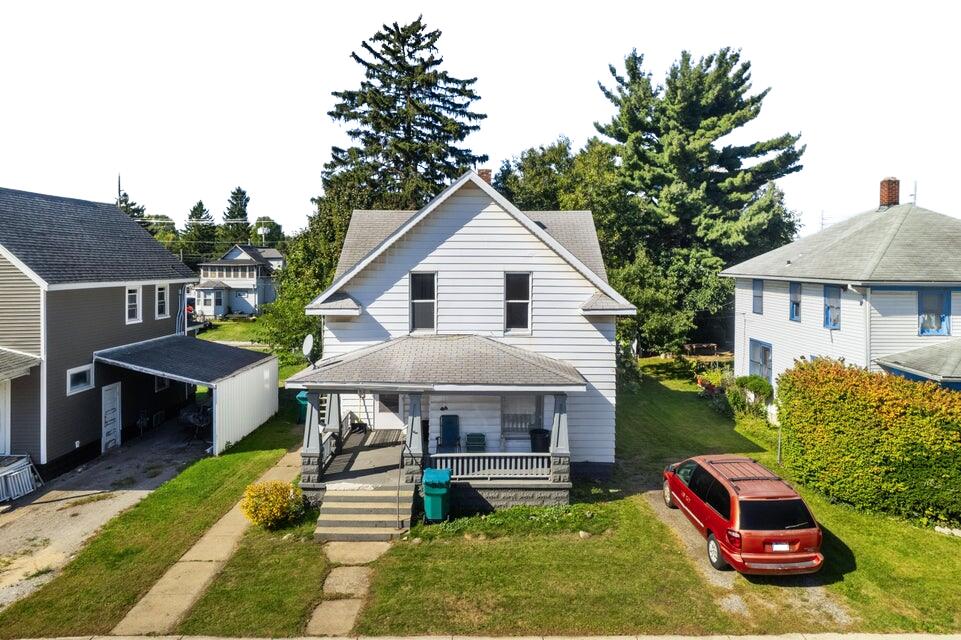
{"x":131,"y":208}
{"x":236,"y":228}
{"x":199,"y":238}
{"x":406,"y":119}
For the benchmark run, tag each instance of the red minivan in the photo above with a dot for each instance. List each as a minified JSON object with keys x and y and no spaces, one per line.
{"x":753,"y":520}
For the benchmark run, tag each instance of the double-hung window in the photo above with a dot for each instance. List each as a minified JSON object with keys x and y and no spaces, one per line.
{"x":757,"y":304}
{"x":423,"y":301}
{"x":218,"y":298}
{"x":133,"y":305}
{"x":832,"y":306}
{"x":761,"y":359}
{"x":794,"y":289}
{"x":79,"y":379}
{"x":934,"y":312}
{"x":517,"y":302}
{"x":163,"y":304}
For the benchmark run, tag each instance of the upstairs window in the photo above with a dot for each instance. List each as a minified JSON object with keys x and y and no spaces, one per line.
{"x":162,"y":308}
{"x":517,"y":302}
{"x":832,"y":306}
{"x":423,"y":301}
{"x":934,"y":312}
{"x":757,"y":305}
{"x":133,"y":305}
{"x":795,"y":301}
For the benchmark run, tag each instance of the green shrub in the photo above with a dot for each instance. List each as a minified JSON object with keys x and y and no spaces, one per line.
{"x":272,"y":503}
{"x":876,"y":441}
{"x":715,"y":376}
{"x":760,"y":387}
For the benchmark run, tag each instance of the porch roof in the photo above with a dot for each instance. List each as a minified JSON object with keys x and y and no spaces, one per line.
{"x":940,"y":362}
{"x":14,"y":364}
{"x":441,"y":363}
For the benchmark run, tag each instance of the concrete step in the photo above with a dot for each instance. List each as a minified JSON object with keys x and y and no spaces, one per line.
{"x":356,"y":534}
{"x":361,"y":520}
{"x":389,"y":508}
{"x":388,"y":496}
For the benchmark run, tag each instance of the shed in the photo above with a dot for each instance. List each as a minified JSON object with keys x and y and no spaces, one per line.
{"x":242,"y":382}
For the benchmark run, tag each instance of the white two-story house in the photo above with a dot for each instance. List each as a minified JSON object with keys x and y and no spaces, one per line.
{"x":239,"y":282}
{"x":467,"y":325}
{"x":880,"y":290}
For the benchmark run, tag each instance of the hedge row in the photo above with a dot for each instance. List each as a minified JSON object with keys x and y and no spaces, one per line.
{"x":876,"y":441}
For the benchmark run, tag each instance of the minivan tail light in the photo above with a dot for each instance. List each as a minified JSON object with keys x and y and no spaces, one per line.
{"x":820,"y":539}
{"x":734,"y":538}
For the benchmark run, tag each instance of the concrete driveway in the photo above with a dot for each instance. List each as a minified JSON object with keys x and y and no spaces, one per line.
{"x":44,"y":530}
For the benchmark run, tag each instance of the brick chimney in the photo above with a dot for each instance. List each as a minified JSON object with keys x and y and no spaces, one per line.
{"x":890,"y":192}
{"x":485,"y":175}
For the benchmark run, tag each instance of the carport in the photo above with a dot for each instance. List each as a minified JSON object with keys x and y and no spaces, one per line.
{"x":242,"y":383}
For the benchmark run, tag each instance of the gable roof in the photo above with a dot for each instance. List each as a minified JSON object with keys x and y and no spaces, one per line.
{"x":438,"y":361}
{"x":64,"y":240}
{"x":903,"y":243}
{"x":374,"y":237}
{"x":255,"y":256}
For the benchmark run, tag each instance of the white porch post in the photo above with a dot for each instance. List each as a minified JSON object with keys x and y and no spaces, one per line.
{"x":413,"y":457}
{"x":560,"y":448}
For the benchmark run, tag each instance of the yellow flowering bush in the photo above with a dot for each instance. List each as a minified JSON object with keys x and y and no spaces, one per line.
{"x":272,"y":503}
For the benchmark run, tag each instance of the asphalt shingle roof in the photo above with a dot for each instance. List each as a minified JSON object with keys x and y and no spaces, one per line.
{"x":940,"y":361}
{"x":184,"y":357}
{"x":339,"y":301}
{"x":211,"y":284}
{"x":64,"y":240}
{"x":12,"y":362}
{"x":903,"y":243}
{"x":428,"y":361}
{"x":602,"y":302}
{"x":573,"y":229}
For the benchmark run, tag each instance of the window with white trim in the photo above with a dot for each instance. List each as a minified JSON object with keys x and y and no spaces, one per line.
{"x":517,"y":302}
{"x":79,"y":379}
{"x":160,"y":384}
{"x":423,"y":301}
{"x":133,"y":305}
{"x":162,"y":308}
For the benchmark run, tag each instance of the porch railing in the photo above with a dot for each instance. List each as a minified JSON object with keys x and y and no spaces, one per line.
{"x":494,"y":466}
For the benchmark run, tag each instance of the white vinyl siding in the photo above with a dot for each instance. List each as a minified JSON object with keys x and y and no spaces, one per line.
{"x":791,"y":339}
{"x":19,"y":309}
{"x":470,"y":242}
{"x":894,"y":323}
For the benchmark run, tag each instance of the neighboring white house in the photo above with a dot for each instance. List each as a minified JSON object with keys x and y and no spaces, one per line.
{"x":239,"y":282}
{"x":880,"y":290}
{"x":474,"y":309}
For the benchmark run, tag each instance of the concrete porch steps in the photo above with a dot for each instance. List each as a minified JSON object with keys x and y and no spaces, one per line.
{"x":364,"y":515}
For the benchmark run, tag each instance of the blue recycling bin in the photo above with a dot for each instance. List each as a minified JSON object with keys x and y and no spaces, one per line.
{"x":436,"y":494}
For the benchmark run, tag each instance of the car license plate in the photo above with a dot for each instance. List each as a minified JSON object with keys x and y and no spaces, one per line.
{"x":780,"y":546}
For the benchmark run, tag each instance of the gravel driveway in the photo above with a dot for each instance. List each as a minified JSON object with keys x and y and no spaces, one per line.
{"x":44,"y":531}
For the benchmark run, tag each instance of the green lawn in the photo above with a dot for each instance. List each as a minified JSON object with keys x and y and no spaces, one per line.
{"x":231,"y":330}
{"x":120,"y":564}
{"x":268,"y":588}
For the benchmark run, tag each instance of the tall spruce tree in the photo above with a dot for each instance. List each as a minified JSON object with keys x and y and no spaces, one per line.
{"x":407,"y":118}
{"x":199,"y":239}
{"x":131,"y":208}
{"x":236,"y":227}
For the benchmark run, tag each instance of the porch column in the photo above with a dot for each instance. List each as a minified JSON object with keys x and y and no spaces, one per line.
{"x":413,"y":456}
{"x":312,"y":453}
{"x":560,"y":449}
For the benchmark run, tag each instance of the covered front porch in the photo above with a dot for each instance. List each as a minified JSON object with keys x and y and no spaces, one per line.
{"x":495,"y":415}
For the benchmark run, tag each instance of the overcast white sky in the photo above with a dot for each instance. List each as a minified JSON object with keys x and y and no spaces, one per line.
{"x":189,"y":99}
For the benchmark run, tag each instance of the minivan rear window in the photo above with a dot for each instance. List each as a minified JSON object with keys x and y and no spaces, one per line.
{"x":774,"y":515}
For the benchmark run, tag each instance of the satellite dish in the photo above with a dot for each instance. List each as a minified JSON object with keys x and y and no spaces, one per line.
{"x":308,"y":347}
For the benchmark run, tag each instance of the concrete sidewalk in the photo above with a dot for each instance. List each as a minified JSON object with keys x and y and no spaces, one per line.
{"x":788,"y":636}
{"x":172,"y":596}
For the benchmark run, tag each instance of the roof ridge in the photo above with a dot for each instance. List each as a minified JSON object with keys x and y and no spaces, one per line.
{"x":56,"y":197}
{"x":510,"y":349}
{"x":885,"y":245}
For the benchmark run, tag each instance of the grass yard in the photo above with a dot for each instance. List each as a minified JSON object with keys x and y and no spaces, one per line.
{"x":231,"y":331}
{"x":121,"y":563}
{"x":268,"y":588}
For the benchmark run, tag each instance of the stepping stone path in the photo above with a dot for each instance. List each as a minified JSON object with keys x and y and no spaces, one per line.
{"x":348,"y":582}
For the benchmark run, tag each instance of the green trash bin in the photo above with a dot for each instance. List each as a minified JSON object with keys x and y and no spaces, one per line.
{"x":436,"y":494}
{"x":302,"y":409}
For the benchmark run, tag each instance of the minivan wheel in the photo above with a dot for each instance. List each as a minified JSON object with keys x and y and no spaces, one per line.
{"x":714,"y":553}
{"x":666,"y":492}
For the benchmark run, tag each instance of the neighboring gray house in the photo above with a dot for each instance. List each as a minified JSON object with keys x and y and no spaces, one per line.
{"x":239,"y":282}
{"x":81,"y":282}
{"x":880,"y":290}
{"x":463,"y":327}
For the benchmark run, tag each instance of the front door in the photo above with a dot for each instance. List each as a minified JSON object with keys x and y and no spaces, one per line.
{"x":388,"y":412}
{"x":4,"y":417}
{"x":110,"y":416}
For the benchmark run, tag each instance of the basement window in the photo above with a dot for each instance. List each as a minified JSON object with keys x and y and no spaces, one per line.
{"x":79,"y":379}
